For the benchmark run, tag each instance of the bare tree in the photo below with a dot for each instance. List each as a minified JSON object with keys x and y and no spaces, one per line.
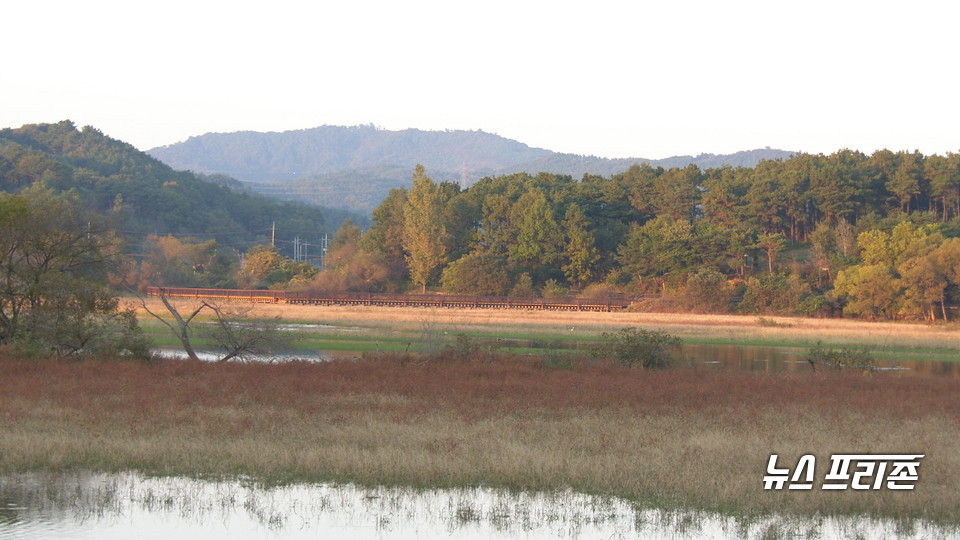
{"x":234,"y":334}
{"x":241,"y":337}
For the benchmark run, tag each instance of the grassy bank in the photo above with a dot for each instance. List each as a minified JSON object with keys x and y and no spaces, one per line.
{"x":674,"y":437}
{"x":399,"y":329}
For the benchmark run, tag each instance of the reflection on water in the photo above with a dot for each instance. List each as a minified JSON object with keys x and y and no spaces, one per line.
{"x":792,"y":359}
{"x":128,"y":505}
{"x":306,"y":355}
{"x":720,"y":357}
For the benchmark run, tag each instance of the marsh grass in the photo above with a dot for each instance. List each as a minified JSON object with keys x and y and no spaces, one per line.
{"x":670,"y":438}
{"x":402,"y":325}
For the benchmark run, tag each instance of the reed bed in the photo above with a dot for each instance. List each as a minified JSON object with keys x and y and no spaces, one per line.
{"x":673,"y":438}
{"x":704,"y":328}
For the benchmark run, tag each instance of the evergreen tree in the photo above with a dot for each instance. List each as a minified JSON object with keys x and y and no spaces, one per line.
{"x":539,"y":240}
{"x":581,"y":252}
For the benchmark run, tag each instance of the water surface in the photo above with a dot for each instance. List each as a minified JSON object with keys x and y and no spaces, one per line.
{"x":751,"y":358}
{"x":108,"y":506}
{"x":742,"y":358}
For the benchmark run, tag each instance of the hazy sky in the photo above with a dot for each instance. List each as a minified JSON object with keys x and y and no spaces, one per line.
{"x":613,"y":79}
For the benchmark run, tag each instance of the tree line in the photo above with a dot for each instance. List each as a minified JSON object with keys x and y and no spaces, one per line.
{"x":847,"y":233}
{"x":874,"y":236}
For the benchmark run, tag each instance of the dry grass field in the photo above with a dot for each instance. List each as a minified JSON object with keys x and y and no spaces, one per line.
{"x":724,"y":328}
{"x":666,"y":438}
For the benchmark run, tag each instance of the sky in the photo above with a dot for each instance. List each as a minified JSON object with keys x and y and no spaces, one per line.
{"x":612,"y":79}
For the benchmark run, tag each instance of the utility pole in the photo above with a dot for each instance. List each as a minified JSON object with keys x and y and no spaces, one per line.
{"x":323,"y":251}
{"x":273,"y":234}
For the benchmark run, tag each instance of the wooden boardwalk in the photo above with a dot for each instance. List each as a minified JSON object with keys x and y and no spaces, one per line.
{"x":394,"y":300}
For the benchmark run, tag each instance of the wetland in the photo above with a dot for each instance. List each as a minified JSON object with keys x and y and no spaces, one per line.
{"x":379,"y":416}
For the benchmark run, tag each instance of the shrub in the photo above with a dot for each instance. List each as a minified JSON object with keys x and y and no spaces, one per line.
{"x":763,"y":321}
{"x":707,"y":291}
{"x":468,"y":349}
{"x":524,"y":286}
{"x":600,"y":291}
{"x":839,"y":359}
{"x":477,"y":273}
{"x":651,"y":349}
{"x":775,"y":293}
{"x":553,"y":289}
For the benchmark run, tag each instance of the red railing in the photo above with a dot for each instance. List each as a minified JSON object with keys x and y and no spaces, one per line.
{"x":394,"y":300}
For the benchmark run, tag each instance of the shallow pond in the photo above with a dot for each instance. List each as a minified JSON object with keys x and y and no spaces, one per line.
{"x":106,"y":506}
{"x":793,"y":359}
{"x":745,"y":358}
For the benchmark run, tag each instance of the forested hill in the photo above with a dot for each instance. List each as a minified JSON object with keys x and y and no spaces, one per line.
{"x":254,"y":156}
{"x":355,"y":167}
{"x":145,"y":195}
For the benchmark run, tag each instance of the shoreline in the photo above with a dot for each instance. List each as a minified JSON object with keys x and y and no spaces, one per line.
{"x":693,"y":328}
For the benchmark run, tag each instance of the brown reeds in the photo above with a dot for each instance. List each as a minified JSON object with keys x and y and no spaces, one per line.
{"x":725,"y":328}
{"x":674,"y":437}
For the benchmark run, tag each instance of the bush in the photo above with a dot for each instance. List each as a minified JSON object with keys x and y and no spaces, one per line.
{"x":651,"y":349}
{"x":839,"y":359}
{"x":776,"y":294}
{"x":468,"y":349}
{"x":601,"y":291}
{"x":477,"y":273}
{"x":523,"y":287}
{"x":553,"y":289}
{"x":707,"y":291}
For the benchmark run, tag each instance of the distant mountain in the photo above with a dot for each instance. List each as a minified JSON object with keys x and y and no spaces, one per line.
{"x":253,"y":156}
{"x":354,"y":167}
{"x":576,"y":166}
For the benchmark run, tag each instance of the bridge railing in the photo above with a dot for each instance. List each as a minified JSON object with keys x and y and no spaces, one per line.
{"x":394,"y":299}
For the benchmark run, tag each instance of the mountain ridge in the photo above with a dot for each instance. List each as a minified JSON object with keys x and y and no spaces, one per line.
{"x":332,"y":165}
{"x":324,"y":149}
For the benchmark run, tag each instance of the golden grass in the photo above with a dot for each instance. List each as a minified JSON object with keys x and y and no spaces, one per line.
{"x":677,"y":437}
{"x":788,"y":330}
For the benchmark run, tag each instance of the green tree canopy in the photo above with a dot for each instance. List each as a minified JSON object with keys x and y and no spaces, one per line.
{"x":477,"y":273}
{"x":54,"y":261}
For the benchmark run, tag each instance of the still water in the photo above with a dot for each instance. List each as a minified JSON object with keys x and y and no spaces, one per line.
{"x":747,"y":358}
{"x":115,"y":506}
{"x":743,"y":358}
